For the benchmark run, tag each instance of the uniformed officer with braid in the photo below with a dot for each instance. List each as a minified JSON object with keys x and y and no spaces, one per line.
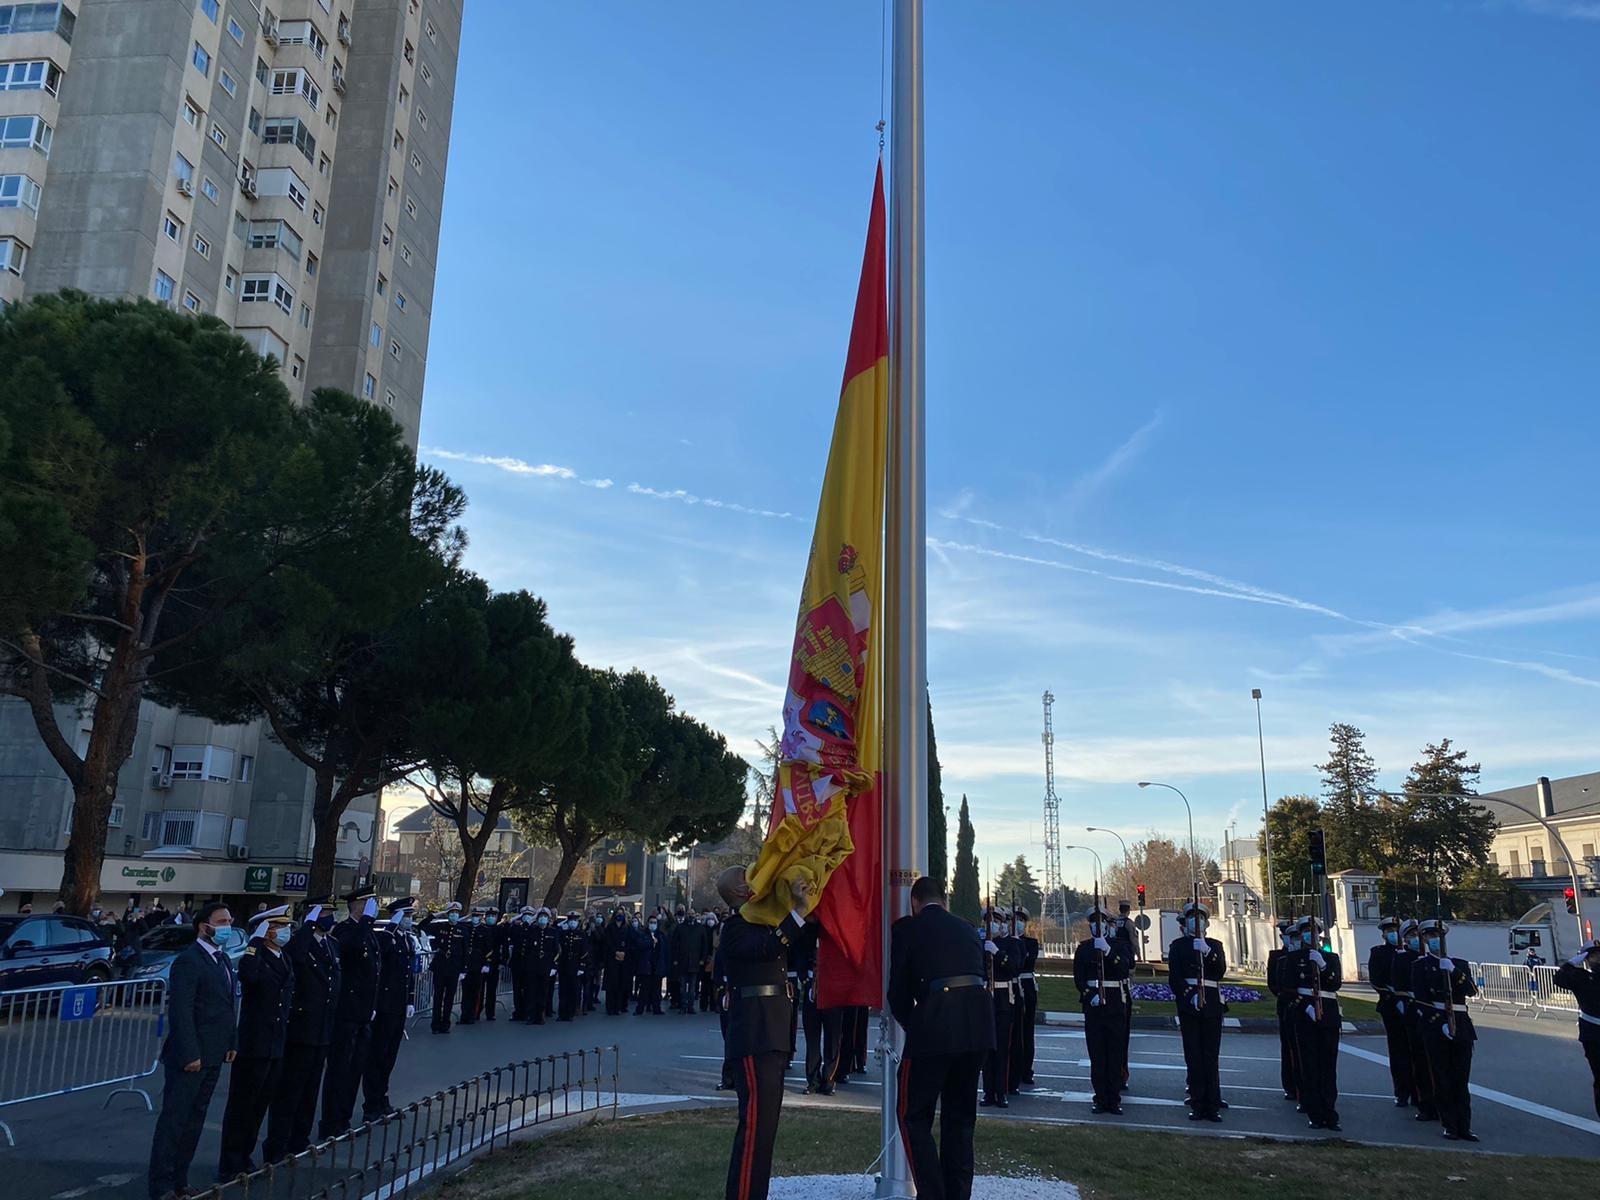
{"x":1027,"y":1002}
{"x":1314,"y":975}
{"x":266,"y":998}
{"x":448,"y":933}
{"x":1441,"y":986}
{"x":1001,"y":964}
{"x":397,"y":1000}
{"x":1100,"y":971}
{"x":359,"y":964}
{"x":1288,"y":1067}
{"x":1580,"y":975}
{"x":752,"y":961}
{"x":1381,"y":974}
{"x":1405,"y":1003}
{"x":1195,"y":967}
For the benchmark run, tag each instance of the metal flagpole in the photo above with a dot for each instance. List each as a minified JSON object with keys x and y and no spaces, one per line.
{"x":905,"y":678}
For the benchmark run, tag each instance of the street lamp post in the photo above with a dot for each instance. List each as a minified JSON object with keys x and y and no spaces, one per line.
{"x":1266,"y":818}
{"x":1099,"y":870}
{"x":1194,"y":866}
{"x":1127,"y":862}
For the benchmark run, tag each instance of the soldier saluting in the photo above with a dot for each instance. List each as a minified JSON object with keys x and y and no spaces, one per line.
{"x":1100,"y":969}
{"x":1195,"y":967}
{"x":1580,"y":975}
{"x":1314,"y":975}
{"x":359,"y":964}
{"x":396,"y":1004}
{"x":1381,"y":974}
{"x":1441,"y":987}
{"x":449,"y":960}
{"x":266,"y":997}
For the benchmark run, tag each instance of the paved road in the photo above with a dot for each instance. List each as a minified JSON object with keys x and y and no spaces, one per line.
{"x":1533,"y":1088}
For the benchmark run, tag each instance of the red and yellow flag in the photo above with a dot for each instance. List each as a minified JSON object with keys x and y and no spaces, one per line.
{"x":826,"y":818}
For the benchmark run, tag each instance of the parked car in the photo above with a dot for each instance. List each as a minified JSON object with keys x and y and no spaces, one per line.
{"x":41,"y":949}
{"x":159,"y":946}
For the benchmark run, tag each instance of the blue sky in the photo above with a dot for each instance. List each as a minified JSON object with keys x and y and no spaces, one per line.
{"x":1261,"y":353}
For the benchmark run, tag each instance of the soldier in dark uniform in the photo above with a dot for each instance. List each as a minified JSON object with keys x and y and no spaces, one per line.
{"x":572,"y":965}
{"x":518,"y":929}
{"x":449,"y":936}
{"x":1288,"y":1066}
{"x":493,"y":960}
{"x":1027,"y":1003}
{"x":690,"y":940}
{"x":1123,"y":931}
{"x":617,"y":979}
{"x":753,"y":959}
{"x":1580,"y":975}
{"x":315,"y":960}
{"x":1195,"y":967}
{"x":937,"y":983}
{"x":1405,"y":1004}
{"x":1101,"y":968}
{"x":358,"y":1004}
{"x":597,"y":960}
{"x":397,"y":999}
{"x":1314,"y":975}
{"x":544,"y":958}
{"x":266,"y":999}
{"x":1001,"y":968}
{"x":803,"y":960}
{"x":1380,"y":973}
{"x":1441,"y":987}
{"x":480,"y":949}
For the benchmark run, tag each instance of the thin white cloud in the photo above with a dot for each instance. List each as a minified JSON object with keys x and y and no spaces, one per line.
{"x":514,"y":466}
{"x":1087,"y":485}
{"x":1566,"y":10}
{"x":684,"y":497}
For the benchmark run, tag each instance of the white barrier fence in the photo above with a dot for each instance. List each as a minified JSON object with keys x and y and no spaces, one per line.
{"x":62,"y":1039}
{"x":1524,"y":989}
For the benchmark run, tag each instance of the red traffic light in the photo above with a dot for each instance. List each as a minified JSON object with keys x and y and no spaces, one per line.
{"x":1572,"y":900}
{"x":1141,"y":895}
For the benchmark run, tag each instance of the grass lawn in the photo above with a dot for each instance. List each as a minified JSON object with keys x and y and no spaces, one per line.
{"x":684,"y":1156}
{"x":1058,"y":995}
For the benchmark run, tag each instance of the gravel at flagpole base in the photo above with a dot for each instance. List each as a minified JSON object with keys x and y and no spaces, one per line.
{"x":860,"y":1187}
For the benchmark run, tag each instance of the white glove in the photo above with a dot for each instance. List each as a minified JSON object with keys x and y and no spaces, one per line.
{"x":1400,"y":1007}
{"x":1311,"y":1011}
{"x":1447,"y":1033}
{"x":1094,"y":1000}
{"x":1102,"y":945}
{"x":1446,"y":965}
{"x":552,"y":972}
{"x":461,"y":978}
{"x":411,"y":1011}
{"x":486,"y":970}
{"x":580,"y":974}
{"x":1316,"y":957}
{"x":1195,"y":1000}
{"x":1200,"y":946}
{"x":374,"y":1015}
{"x":990,"y":948}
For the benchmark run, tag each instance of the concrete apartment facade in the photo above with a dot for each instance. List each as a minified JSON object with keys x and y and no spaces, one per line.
{"x":280,"y":166}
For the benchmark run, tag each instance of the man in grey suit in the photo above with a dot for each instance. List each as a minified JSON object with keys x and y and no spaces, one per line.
{"x":201,"y":1037}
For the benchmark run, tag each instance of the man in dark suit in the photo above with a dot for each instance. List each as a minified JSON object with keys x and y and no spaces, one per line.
{"x":752,"y":962}
{"x":311,"y":1024}
{"x":359,"y":964}
{"x":201,"y":1037}
{"x":937,"y":993}
{"x":266,"y":997}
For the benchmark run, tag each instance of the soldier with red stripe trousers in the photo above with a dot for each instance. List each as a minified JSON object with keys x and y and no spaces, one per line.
{"x":938,"y":994}
{"x":752,"y":965}
{"x":1312,"y":978}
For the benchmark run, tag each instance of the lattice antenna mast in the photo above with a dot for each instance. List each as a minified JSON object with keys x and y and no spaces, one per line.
{"x":1054,"y":898}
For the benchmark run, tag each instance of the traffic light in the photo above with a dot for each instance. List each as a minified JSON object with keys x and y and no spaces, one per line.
{"x":1572,"y":900}
{"x":1319,"y":857}
{"x":1141,"y":895}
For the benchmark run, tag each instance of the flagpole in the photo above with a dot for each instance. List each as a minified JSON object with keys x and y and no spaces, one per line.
{"x":905,"y":708}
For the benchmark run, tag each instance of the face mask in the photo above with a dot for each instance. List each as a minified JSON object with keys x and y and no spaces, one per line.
{"x":282,"y":934}
{"x":1308,"y":938}
{"x":681,"y":914}
{"x":652,"y":926}
{"x":325,"y":922}
{"x":636,"y":924}
{"x":1433,"y":945}
{"x":453,"y":918}
{"x":138,"y":912}
{"x":472,"y":921}
{"x":490,"y":920}
{"x":543,"y":921}
{"x":405,"y":920}
{"x":94,"y":913}
{"x":217,"y":935}
{"x":1392,"y":938}
{"x":1413,"y":944}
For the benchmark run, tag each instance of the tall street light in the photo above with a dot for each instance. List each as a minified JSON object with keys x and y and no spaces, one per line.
{"x":1127,"y":862}
{"x":1266,"y":818}
{"x":1099,"y":870}
{"x":1194,"y":866}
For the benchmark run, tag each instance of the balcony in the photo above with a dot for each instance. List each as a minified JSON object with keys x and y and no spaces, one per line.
{"x":38,"y":18}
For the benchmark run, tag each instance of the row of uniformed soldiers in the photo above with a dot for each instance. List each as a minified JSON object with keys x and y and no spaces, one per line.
{"x":1010,"y":958}
{"x":323,"y":1004}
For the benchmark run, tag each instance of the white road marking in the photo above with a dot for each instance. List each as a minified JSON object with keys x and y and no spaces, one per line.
{"x":1531,"y":1107}
{"x":1084,"y":1062}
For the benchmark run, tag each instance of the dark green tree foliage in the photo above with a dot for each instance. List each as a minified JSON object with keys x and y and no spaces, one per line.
{"x":1291,"y":820}
{"x":152,"y":475}
{"x":1016,"y":885}
{"x":341,"y":648}
{"x":938,"y":851}
{"x":965,"y":900}
{"x":1438,"y":826}
{"x":1354,"y":823}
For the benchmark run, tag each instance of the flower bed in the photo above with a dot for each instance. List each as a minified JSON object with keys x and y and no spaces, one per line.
{"x":1231,"y":993}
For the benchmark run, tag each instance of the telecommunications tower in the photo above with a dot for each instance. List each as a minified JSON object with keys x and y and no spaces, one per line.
{"x":1054,"y":898}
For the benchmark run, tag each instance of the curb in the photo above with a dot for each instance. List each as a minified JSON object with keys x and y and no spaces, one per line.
{"x":1074,"y":1020}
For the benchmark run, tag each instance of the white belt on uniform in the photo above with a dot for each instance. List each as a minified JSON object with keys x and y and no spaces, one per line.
{"x":1398,"y":992}
{"x":1442,"y":1006}
{"x":1210,"y":983}
{"x":1026,"y":975}
{"x":1314,"y":992}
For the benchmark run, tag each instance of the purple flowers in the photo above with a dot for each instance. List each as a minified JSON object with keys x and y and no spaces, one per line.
{"x":1231,"y":994}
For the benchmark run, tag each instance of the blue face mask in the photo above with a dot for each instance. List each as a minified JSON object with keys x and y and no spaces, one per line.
{"x":1391,"y":937}
{"x":282,"y":934}
{"x":652,"y":926}
{"x":1433,"y":945}
{"x":325,"y":922}
{"x":1307,"y":938}
{"x":543,"y":921}
{"x":453,"y":918}
{"x":1413,"y":944}
{"x":490,"y":920}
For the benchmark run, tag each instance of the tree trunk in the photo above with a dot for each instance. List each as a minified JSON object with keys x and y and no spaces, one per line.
{"x":114,"y":723}
{"x":326,"y":810}
{"x":471,"y":857}
{"x":571,"y":856}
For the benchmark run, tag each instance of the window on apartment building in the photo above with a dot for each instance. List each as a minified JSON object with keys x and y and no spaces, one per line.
{"x":299,"y":367}
{"x":286,"y":131}
{"x":30,"y":75}
{"x":394,"y":348}
{"x":393,"y":188}
{"x":229,"y":83}
{"x":616,"y":875}
{"x":172,"y":228}
{"x":183,"y":169}
{"x":1516,"y":864}
{"x":305,"y":316}
{"x":427,"y":75}
{"x":324,"y":163}
{"x":399,"y":142}
{"x":236,"y":31}
{"x":312,"y":263}
{"x":253,"y":122}
{"x":405,"y":253}
{"x":388,"y":235}
{"x":388,"y":397}
{"x":400,"y":300}
{"x":410,"y":52}
{"x":262,"y":71}
{"x":416,"y":162}
{"x":257,"y":288}
{"x":208,"y":189}
{"x":331,"y":119}
{"x":219,"y":135}
{"x":317,"y":213}
{"x":303,"y":33}
{"x":211,"y":8}
{"x":13,"y":256}
{"x":411,"y":208}
{"x":376,"y":336}
{"x":297,"y":195}
{"x":37,"y":18}
{"x":201,"y":57}
{"x":19,"y":191}
{"x":270,"y":235}
{"x":383,"y":284}
{"x":403,"y":96}
{"x":241,"y":227}
{"x":19,"y":133}
{"x":412,"y":7}
{"x":202,"y":247}
{"x":433,"y":34}
{"x":1586,"y":850}
{"x":164,"y":288}
{"x":297,"y":82}
{"x":230,"y":279}
{"x":191,"y":112}
{"x":247,"y":767}
{"x":191,"y":302}
{"x":422,"y":117}
{"x":369,"y":386}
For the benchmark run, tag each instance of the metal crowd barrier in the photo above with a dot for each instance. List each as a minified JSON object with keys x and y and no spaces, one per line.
{"x":406,"y":1150}
{"x":1521,"y":988}
{"x":65,"y":1038}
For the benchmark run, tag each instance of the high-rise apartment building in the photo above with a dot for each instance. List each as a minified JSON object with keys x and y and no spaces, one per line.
{"x":279,"y":165}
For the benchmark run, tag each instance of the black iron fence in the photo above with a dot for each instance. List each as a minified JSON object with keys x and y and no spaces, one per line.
{"x":389,"y":1157}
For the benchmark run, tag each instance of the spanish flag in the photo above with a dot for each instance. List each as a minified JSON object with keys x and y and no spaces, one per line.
{"x":827,"y":813}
